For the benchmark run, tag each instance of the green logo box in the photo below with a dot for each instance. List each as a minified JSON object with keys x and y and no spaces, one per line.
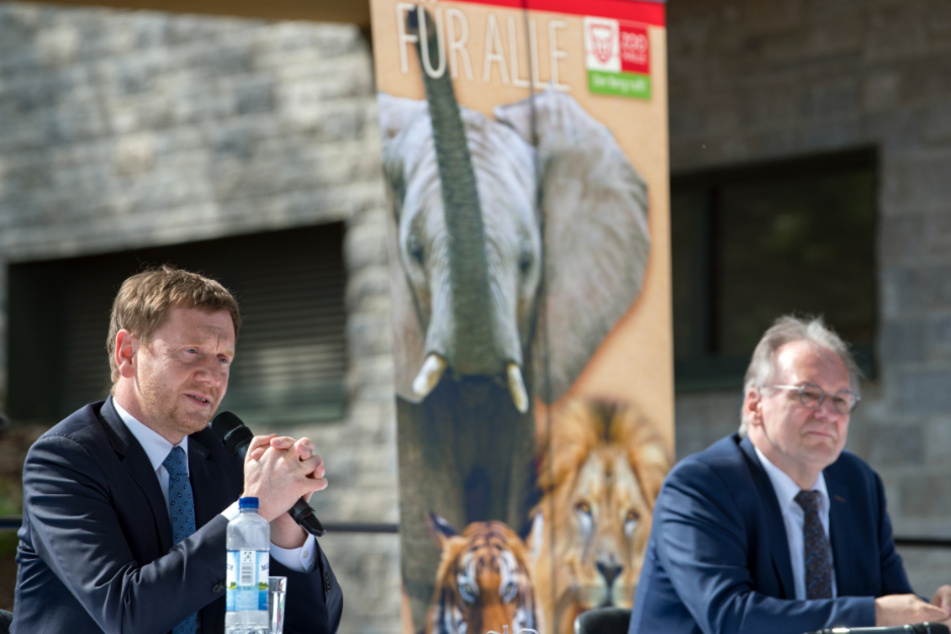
{"x":619,"y":84}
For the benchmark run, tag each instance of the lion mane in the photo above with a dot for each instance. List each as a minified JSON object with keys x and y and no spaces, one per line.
{"x":601,"y":467}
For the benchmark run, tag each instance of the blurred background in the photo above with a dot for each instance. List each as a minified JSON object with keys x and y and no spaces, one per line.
{"x":810,"y":145}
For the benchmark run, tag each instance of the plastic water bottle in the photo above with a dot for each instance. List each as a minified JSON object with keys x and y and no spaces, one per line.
{"x":249,"y":536}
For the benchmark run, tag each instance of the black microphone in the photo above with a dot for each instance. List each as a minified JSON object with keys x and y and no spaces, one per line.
{"x":917,"y":628}
{"x":236,"y":437}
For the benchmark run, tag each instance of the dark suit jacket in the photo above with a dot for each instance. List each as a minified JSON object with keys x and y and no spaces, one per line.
{"x":718,"y":558}
{"x":96,"y":553}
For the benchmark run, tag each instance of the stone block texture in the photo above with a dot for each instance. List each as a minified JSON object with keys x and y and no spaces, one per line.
{"x":751,"y":81}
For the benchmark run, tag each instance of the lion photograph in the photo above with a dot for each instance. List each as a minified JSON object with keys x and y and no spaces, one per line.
{"x":600,"y":468}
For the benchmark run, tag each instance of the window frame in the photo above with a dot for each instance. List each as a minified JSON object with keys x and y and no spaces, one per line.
{"x":703,"y":369}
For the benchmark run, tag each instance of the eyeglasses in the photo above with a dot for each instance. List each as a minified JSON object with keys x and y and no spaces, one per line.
{"x":811,"y":396}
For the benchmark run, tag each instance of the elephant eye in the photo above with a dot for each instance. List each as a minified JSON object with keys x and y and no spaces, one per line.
{"x":525,"y":261}
{"x":415,"y":248}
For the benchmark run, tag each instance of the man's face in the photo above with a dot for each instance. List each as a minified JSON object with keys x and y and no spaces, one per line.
{"x":181,"y":375}
{"x":799,"y":440}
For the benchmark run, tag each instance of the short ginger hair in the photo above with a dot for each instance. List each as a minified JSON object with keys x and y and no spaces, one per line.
{"x":144,"y":300}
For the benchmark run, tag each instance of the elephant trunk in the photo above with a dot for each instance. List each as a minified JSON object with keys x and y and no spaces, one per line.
{"x":472,"y":350}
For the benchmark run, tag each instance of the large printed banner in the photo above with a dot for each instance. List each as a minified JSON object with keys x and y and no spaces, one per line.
{"x":525,"y":154}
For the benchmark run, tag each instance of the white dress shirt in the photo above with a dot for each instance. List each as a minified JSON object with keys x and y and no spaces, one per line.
{"x":157,"y":449}
{"x":786,"y":490}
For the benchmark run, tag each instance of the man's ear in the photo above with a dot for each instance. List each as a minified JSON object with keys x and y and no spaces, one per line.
{"x":753,"y":406}
{"x":127,"y":346}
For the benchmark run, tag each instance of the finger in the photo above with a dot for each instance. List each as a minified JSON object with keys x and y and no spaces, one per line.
{"x":260,"y":441}
{"x":314,"y":466}
{"x":257,"y":447}
{"x":942,"y":597}
{"x":317,"y":484}
{"x":255,"y":454}
{"x":934,"y":613}
{"x":282,"y":442}
{"x":305,"y":448}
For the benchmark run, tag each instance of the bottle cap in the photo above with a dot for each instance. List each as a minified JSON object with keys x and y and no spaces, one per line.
{"x":248,"y":503}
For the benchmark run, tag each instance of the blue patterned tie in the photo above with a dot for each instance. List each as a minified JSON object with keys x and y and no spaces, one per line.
{"x":181,"y":510}
{"x":816,"y":548}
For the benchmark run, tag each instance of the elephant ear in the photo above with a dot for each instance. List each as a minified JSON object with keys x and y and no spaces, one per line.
{"x":594,"y":205}
{"x":397,"y":114}
{"x":401,"y":122}
{"x":398,"y":117}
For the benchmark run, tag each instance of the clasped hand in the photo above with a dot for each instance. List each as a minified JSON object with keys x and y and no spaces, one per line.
{"x":903,"y":609}
{"x":279,"y":470}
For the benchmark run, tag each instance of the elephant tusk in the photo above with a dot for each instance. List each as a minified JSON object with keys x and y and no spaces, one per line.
{"x":517,"y":387}
{"x":429,"y":375}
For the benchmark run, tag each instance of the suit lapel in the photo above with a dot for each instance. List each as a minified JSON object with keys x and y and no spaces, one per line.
{"x":135,"y":461}
{"x":205,"y":487}
{"x":773,"y":518}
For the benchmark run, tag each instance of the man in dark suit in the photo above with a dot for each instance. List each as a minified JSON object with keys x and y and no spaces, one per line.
{"x":96,"y":549}
{"x":775,"y":528}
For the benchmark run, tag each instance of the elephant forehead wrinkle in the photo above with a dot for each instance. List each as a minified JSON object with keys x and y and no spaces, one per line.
{"x":413,"y":149}
{"x":422,"y":188}
{"x":505,"y":243}
{"x":508,"y":167}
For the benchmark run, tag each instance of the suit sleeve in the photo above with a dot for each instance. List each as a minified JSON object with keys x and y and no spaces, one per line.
{"x":703,"y":544}
{"x":314,"y":599}
{"x":894,"y":577}
{"x":77,"y":532}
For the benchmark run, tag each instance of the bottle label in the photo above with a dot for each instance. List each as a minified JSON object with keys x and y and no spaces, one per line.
{"x":247,"y":578}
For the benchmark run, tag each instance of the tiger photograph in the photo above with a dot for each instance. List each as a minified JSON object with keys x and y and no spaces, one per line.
{"x":482,"y":583}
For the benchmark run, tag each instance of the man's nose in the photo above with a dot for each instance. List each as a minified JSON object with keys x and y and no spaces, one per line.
{"x":213,"y":371}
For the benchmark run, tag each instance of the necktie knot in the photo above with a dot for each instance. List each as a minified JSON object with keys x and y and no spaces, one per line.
{"x":174,"y":462}
{"x":808,"y":500}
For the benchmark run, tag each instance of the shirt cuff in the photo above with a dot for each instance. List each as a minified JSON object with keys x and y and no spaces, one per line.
{"x":297,"y":559}
{"x":232,"y":511}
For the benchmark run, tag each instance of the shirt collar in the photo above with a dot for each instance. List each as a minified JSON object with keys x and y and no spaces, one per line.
{"x":785,"y":487}
{"x":155,"y":445}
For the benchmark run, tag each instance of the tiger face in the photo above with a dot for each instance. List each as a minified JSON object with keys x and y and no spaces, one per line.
{"x":482,"y":584}
{"x":600,"y":473}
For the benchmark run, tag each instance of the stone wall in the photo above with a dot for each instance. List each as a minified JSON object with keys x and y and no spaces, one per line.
{"x":753,"y":80}
{"x":129,"y":129}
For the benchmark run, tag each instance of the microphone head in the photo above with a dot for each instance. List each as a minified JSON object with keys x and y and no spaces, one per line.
{"x":232,"y":432}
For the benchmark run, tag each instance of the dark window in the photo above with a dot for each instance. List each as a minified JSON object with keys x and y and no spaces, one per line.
{"x":752,"y":243}
{"x":291,"y":356}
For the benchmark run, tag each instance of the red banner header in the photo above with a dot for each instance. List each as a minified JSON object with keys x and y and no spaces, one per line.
{"x":652,"y":13}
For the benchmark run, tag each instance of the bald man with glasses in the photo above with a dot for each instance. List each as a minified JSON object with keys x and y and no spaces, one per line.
{"x":776,"y":528}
